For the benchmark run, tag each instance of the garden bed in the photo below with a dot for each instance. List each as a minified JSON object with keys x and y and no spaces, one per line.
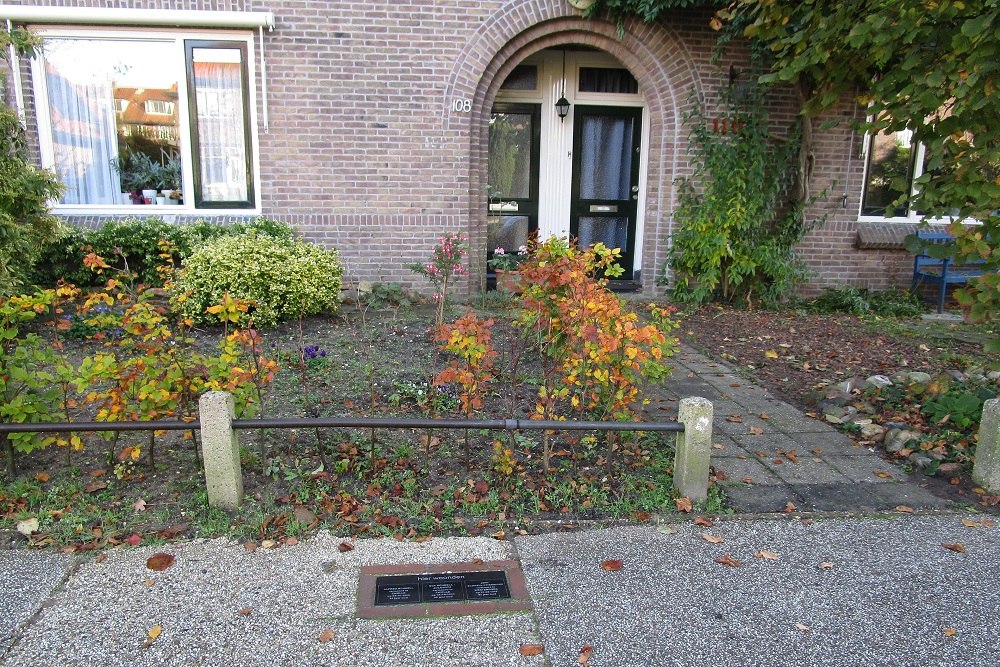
{"x":398,"y":482}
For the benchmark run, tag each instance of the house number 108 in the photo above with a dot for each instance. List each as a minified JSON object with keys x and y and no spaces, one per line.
{"x":464,"y":106}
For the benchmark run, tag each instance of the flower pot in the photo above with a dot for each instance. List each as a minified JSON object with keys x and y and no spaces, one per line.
{"x":149,"y":196}
{"x":161,"y":200}
{"x":508,"y":281}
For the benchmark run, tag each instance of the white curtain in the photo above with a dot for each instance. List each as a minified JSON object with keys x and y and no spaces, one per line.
{"x":84,"y":138}
{"x":222,"y":150}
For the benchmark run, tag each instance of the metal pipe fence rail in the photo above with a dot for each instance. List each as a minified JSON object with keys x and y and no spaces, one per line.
{"x":221,"y":456}
{"x":350,"y":422}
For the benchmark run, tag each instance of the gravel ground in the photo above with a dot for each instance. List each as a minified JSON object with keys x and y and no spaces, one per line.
{"x":888,"y":598}
{"x":870,"y":591}
{"x":26,"y":580}
{"x":294,"y":594}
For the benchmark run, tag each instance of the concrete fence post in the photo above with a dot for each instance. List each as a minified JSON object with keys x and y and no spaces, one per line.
{"x":694,"y":448}
{"x":220,"y":450}
{"x":986,"y":471}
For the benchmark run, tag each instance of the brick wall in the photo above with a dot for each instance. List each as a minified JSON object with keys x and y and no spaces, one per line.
{"x":364,"y":152}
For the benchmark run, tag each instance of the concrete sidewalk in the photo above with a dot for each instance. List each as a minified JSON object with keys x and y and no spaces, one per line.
{"x":770,"y":453}
{"x":871,"y":591}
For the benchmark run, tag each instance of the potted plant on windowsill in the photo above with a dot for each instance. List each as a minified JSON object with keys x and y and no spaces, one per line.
{"x":505,"y":265}
{"x":170,"y":181}
{"x":137,"y":174}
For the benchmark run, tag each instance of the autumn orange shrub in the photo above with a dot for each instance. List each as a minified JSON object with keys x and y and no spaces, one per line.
{"x":601,"y":352}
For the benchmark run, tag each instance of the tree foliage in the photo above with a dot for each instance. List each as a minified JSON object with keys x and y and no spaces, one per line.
{"x":929,"y":66}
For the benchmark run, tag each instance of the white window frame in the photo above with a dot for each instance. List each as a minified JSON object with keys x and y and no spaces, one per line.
{"x":178,"y":37}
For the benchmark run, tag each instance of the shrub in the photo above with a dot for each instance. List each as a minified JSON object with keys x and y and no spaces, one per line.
{"x":133,"y":242}
{"x":283,"y":279}
{"x":857,"y":301}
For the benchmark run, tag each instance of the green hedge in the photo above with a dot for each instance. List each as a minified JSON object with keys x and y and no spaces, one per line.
{"x":133,"y":243}
{"x":281,"y":278}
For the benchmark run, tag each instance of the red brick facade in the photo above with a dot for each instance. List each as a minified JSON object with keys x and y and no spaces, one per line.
{"x":365,"y":153}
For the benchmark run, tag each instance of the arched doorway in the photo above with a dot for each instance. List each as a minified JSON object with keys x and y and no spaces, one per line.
{"x":578,"y":170}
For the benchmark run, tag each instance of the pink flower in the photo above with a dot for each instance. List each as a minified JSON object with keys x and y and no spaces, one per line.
{"x":499,"y":251}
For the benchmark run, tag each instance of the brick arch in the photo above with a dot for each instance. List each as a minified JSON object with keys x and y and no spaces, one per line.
{"x":655,"y":55}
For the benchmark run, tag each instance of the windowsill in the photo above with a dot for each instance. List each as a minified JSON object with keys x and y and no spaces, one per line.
{"x":887,"y":233}
{"x":153,"y":209}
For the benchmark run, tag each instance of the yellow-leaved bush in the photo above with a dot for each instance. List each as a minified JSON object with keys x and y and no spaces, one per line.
{"x":281,"y":279}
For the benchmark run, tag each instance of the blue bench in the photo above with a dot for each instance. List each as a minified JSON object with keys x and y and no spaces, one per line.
{"x":944,"y":272}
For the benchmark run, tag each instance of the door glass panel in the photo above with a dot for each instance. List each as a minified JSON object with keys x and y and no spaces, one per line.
{"x":524,"y":77}
{"x":509,"y":232}
{"x":607,"y":80}
{"x":889,"y":172}
{"x":606,"y":160}
{"x":510,"y":156}
{"x":612,"y":232}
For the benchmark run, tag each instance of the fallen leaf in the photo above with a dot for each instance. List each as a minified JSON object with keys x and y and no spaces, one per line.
{"x":904,"y":508}
{"x":969,"y":523}
{"x":771,"y":354}
{"x":95,"y":486}
{"x":27,"y":526}
{"x":101,"y":558}
{"x":702,"y":521}
{"x":42,"y":477}
{"x":728,"y":560}
{"x":641,"y":516}
{"x":747,"y":479}
{"x":531,"y":649}
{"x":684,"y":504}
{"x":764,"y":416}
{"x":950,"y":632}
{"x":291,"y":541}
{"x":806,"y":522}
{"x":957,"y":548}
{"x":325,"y":636}
{"x":100,"y":472}
{"x":736,"y":419}
{"x":585,"y":653}
{"x":817,"y":451}
{"x":766,"y":555}
{"x":612,"y":565}
{"x":250,"y":547}
{"x":149,"y":583}
{"x":826,"y":565}
{"x":713,"y":539}
{"x":268,"y":544}
{"x":139,"y":505}
{"x":134,"y":539}
{"x":246,"y":611}
{"x":803,"y":628}
{"x":988,"y":523}
{"x":789,"y":507}
{"x":344,"y":547}
{"x":499,"y":535}
{"x":159,"y":561}
{"x":756,"y":430}
{"x":883,"y":474}
{"x":151,"y":636}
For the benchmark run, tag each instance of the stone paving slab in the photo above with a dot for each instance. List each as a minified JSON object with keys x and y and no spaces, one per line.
{"x":887,"y":599}
{"x":27,"y":578}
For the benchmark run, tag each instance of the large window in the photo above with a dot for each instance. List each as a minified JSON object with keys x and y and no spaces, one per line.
{"x":147,"y":119}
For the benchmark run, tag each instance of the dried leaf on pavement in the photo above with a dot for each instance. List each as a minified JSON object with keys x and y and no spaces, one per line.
{"x":325,"y":636}
{"x":159,"y":561}
{"x":957,"y":548}
{"x":584,"y":657}
{"x":531,"y":649}
{"x":728,"y":560}
{"x":684,"y":504}
{"x":714,"y":539}
{"x":764,"y":554}
{"x":612,"y":565}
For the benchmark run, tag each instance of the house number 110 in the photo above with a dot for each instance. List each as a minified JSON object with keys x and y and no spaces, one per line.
{"x":464,"y":106}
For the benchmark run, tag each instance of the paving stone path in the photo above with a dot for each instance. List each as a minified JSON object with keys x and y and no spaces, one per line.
{"x":770,"y":453}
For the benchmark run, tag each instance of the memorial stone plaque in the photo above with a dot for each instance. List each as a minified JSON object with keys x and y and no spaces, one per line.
{"x":443,"y":587}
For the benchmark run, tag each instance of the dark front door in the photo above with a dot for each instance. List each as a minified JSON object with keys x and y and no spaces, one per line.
{"x":605,"y":191}
{"x":513,"y":176}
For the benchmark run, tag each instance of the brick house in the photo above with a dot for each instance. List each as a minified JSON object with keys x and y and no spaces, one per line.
{"x":375,"y":126}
